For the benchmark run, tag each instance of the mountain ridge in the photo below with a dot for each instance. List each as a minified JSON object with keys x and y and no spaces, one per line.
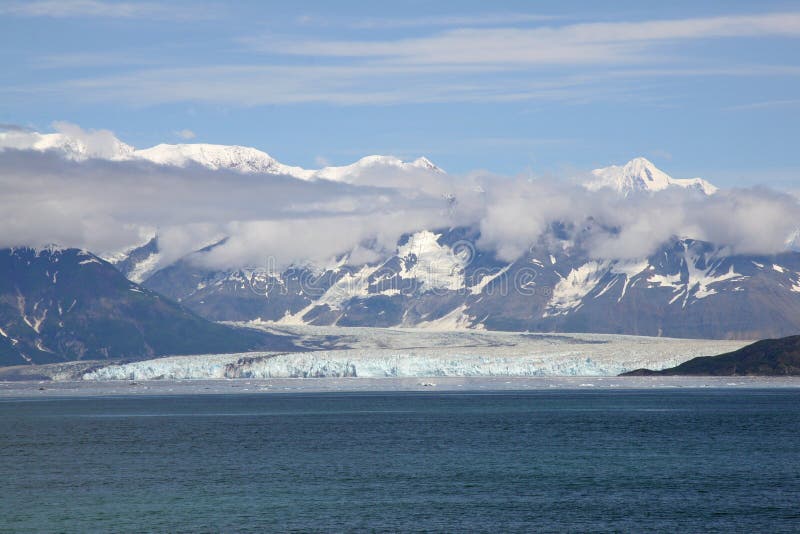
{"x":212,"y":156}
{"x":637,"y":176}
{"x":68,"y":304}
{"x":686,"y":288}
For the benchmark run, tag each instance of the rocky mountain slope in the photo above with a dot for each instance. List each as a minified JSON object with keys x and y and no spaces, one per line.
{"x":770,"y":357}
{"x":67,"y":304}
{"x":687,"y":288}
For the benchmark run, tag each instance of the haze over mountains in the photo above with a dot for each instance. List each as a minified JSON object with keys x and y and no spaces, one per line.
{"x":234,"y":235}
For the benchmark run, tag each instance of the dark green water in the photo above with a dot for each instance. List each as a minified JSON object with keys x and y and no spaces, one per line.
{"x":710,"y":460}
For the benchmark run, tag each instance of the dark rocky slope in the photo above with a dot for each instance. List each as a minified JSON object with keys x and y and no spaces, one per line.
{"x":770,"y":357}
{"x":61,"y":305}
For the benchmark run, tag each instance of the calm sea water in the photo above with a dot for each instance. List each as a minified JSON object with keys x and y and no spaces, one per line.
{"x":545,"y":461}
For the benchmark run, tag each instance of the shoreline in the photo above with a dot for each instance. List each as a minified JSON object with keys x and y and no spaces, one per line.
{"x":241,"y":386}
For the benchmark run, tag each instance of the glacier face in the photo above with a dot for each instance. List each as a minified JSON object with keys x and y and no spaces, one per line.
{"x":379,"y":352}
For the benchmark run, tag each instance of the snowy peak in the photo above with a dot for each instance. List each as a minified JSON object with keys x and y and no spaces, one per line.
{"x":76,"y":144}
{"x":251,"y":160}
{"x":237,"y":158}
{"x":425,"y":163}
{"x":370,"y":163}
{"x":212,"y":156}
{"x":640,"y":176}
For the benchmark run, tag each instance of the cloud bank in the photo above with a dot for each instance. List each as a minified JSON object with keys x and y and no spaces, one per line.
{"x":106,"y":205}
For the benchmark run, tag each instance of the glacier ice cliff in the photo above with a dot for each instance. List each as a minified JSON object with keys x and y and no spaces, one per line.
{"x":377,"y":353}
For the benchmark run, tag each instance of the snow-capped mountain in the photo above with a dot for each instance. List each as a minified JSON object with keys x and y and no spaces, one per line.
{"x":237,"y":158}
{"x":103,"y":145}
{"x":686,"y":288}
{"x":640,"y":176}
{"x":251,"y":160}
{"x":370,"y":163}
{"x":637,"y":176}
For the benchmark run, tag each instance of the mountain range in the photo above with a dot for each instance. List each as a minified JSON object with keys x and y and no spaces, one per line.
{"x":438,"y":278}
{"x":637,"y":176}
{"x":434,"y":277}
{"x":231,"y":157}
{"x":687,"y":288}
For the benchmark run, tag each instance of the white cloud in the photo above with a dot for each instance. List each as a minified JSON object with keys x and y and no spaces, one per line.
{"x":588,"y":43}
{"x":483,"y":19}
{"x":747,"y":221}
{"x":186,"y":134}
{"x":107,"y":205}
{"x":766,"y":104}
{"x":255,"y":85}
{"x":105,"y":58}
{"x":566,"y":62}
{"x":100,"y":9}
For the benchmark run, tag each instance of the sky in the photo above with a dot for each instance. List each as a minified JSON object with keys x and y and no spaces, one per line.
{"x":701,"y":88}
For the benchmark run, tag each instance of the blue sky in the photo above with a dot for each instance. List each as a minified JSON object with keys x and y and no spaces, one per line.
{"x":707,"y":89}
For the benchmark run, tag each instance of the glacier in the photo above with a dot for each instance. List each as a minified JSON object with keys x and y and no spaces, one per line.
{"x":409,"y":353}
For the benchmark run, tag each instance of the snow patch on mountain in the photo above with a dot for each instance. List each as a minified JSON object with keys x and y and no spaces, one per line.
{"x":629,"y":269}
{"x":700,"y":279}
{"x":144,"y":268}
{"x":795,"y":281}
{"x":672,"y":281}
{"x":487,"y":279}
{"x":348,"y":287}
{"x":458,"y":319}
{"x":570,"y":291}
{"x":13,"y":341}
{"x":434,"y":265}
